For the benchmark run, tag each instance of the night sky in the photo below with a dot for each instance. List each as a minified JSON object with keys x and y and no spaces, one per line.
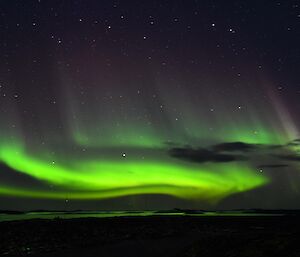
{"x":149,"y":104}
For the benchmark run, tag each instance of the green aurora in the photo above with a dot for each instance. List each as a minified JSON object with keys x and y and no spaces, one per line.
{"x":115,"y":159}
{"x":99,"y":179}
{"x":101,"y":158}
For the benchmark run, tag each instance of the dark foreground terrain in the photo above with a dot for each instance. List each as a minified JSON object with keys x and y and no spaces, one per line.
{"x":153,"y":236}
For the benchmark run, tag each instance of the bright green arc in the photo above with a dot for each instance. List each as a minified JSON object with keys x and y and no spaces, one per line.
{"x":101,"y":179}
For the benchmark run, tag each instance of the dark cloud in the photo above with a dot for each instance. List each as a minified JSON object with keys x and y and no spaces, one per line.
{"x":235,"y":147}
{"x":295,"y":142}
{"x":289,"y":157}
{"x":203,"y":155}
{"x":236,"y":151}
{"x":273,"y":166}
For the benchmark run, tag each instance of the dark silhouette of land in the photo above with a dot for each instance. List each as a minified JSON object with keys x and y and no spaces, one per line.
{"x":185,"y":236}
